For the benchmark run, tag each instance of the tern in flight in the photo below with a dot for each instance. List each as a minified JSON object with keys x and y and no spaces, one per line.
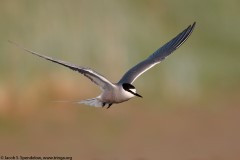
{"x":123,"y":90}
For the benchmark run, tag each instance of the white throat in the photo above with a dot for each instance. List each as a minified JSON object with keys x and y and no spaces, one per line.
{"x":133,"y":90}
{"x":128,"y":94}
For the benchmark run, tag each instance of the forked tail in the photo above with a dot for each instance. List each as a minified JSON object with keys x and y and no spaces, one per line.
{"x":95,"y":102}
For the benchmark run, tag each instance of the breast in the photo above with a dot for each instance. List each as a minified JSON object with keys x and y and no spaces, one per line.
{"x":116,"y":95}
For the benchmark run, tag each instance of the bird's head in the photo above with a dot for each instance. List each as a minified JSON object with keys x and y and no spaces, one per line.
{"x":131,"y":89}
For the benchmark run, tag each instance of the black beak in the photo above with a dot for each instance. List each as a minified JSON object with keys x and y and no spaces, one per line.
{"x":135,"y":94}
{"x":138,"y":95}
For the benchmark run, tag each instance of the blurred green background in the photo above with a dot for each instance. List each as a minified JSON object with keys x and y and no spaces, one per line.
{"x":190,"y":109}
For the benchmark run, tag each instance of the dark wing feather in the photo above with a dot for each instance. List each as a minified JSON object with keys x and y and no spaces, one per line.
{"x":131,"y":75}
{"x":95,"y":77}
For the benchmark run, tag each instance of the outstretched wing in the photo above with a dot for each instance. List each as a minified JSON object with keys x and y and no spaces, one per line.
{"x":95,"y":77}
{"x":131,"y":75}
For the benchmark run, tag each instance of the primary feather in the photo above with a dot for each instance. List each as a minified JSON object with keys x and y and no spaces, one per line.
{"x":131,"y":75}
{"x":95,"y":77}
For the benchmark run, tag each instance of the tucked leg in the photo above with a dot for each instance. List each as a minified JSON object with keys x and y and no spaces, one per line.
{"x":103,"y":104}
{"x":109,"y":105}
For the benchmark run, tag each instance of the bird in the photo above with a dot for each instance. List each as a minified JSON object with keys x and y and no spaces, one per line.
{"x":123,"y":90}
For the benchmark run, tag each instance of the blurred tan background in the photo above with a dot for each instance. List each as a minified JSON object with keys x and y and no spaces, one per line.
{"x":191,"y":106}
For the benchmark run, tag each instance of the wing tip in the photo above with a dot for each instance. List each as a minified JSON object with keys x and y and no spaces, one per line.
{"x":23,"y":48}
{"x":193,"y":25}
